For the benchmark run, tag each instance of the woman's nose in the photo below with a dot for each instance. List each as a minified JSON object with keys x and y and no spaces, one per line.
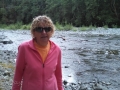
{"x":44,"y":31}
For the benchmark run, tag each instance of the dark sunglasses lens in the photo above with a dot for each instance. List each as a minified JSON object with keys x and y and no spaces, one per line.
{"x":39,"y":29}
{"x":47,"y":29}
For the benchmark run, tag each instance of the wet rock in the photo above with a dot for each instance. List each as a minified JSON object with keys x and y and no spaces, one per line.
{"x":63,"y":38}
{"x":2,"y":37}
{"x":65,"y":82}
{"x":69,"y":75}
{"x":66,"y":66}
{"x":6,"y":73}
{"x":78,"y":73}
{"x":7,"y":55}
{"x":92,"y":85}
{"x":97,"y":87}
{"x":6,"y":42}
{"x":114,"y":52}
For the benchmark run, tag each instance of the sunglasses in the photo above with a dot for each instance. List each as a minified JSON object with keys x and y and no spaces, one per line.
{"x":40,"y":29}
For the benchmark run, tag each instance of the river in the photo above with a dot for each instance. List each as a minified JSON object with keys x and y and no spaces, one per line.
{"x":88,"y":57}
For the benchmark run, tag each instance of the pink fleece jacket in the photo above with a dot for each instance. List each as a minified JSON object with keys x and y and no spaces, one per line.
{"x":32,"y":74}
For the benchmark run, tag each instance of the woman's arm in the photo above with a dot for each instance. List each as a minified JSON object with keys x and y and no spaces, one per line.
{"x":58,"y":73}
{"x":20,"y":65}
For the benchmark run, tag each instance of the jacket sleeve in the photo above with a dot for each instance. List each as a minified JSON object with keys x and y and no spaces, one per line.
{"x":19,"y":69}
{"x":58,"y":73}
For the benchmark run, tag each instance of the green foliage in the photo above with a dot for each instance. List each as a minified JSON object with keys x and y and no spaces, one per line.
{"x":105,"y":26}
{"x":26,"y":27}
{"x":68,"y":27}
{"x":85,"y":28}
{"x":59,"y":27}
{"x":66,"y":12}
{"x":20,"y":26}
{"x":114,"y":26}
{"x":63,"y":27}
{"x":92,"y":27}
{"x":16,"y":26}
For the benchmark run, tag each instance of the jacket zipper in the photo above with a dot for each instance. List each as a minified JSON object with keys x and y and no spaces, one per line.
{"x":43,"y":77}
{"x":43,"y":71}
{"x":43,"y":65}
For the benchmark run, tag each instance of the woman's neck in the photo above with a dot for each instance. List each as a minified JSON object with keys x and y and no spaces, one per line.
{"x":43,"y":44}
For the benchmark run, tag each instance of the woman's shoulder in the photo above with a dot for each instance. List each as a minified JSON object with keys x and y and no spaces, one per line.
{"x":25,"y":43}
{"x":55,"y":45}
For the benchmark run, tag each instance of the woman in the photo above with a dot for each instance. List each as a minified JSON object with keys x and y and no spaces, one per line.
{"x":38,"y":65}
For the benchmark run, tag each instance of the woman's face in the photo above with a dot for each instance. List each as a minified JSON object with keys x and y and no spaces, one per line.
{"x":42,"y":34}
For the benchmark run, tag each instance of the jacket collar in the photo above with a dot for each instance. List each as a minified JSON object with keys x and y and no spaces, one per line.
{"x":31,"y":44}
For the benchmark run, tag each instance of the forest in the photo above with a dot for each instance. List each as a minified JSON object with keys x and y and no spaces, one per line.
{"x":74,"y":12}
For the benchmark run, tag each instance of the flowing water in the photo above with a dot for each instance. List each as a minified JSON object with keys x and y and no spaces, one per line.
{"x":87,"y":56}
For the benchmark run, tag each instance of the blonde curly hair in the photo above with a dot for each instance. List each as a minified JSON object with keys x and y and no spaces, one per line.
{"x":41,"y":21}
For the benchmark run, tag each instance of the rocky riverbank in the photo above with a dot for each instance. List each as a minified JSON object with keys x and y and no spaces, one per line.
{"x":7,"y":64}
{"x":90,"y":59}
